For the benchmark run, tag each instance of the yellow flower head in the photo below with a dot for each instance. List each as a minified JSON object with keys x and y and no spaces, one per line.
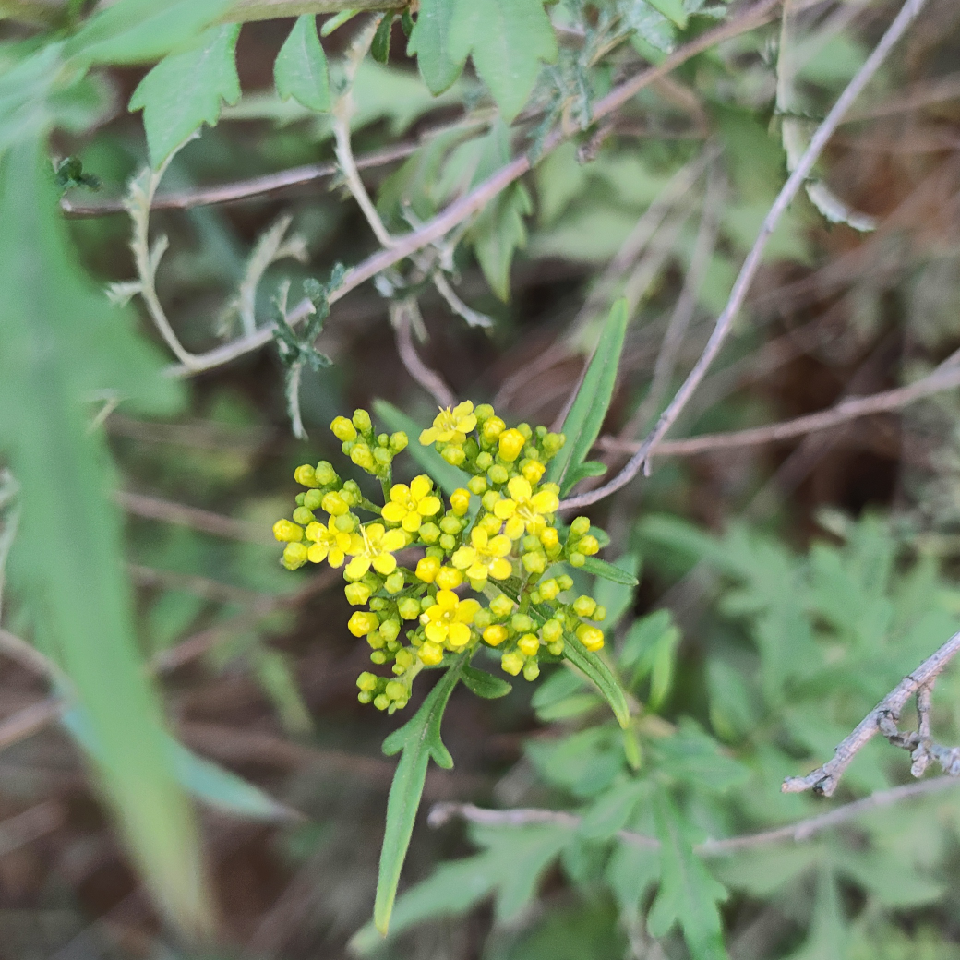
{"x":375,"y":550}
{"x":409,"y":505}
{"x":486,"y":556}
{"x":448,"y":620}
{"x":451,"y":426}
{"x":331,"y":544}
{"x":525,"y":510}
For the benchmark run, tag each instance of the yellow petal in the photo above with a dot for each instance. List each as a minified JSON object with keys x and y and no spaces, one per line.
{"x":500,"y":569}
{"x":399,"y":492}
{"x":477,"y":572}
{"x":316,"y":553}
{"x":463,"y":558}
{"x":393,"y":512}
{"x":463,"y":408}
{"x":546,"y":502}
{"x":504,"y":509}
{"x":436,"y":632}
{"x":336,"y":557}
{"x":500,"y":545}
{"x":446,"y":600}
{"x":467,"y":610}
{"x":513,"y":529}
{"x":427,"y":437}
{"x":411,"y":522}
{"x":519,"y":488}
{"x":357,"y":567}
{"x":428,"y":506}
{"x":394,"y":540}
{"x":386,"y":563}
{"x":459,"y":634}
{"x":420,"y":486}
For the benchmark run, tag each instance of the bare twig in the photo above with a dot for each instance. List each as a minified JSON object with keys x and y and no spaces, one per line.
{"x":28,"y":721}
{"x":153,"y":508}
{"x":35,"y":822}
{"x":641,"y":459}
{"x":889,"y":400}
{"x":463,"y":208}
{"x":402,"y":314}
{"x":883,"y":719}
{"x":796,"y":832}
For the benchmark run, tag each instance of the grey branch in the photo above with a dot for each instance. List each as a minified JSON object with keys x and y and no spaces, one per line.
{"x":641,"y":459}
{"x":883,"y":719}
{"x":796,"y":832}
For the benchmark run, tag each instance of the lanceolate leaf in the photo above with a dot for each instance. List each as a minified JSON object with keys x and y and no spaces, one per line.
{"x":208,"y":782}
{"x":446,"y":474}
{"x":418,"y":740}
{"x":430,"y":41}
{"x":137,"y":31}
{"x":688,"y":895}
{"x":300,"y":70}
{"x":508,"y":40}
{"x":585,"y":419}
{"x":485,"y":684}
{"x":59,"y":341}
{"x":600,"y":568}
{"x":185,"y":90}
{"x":598,"y":671}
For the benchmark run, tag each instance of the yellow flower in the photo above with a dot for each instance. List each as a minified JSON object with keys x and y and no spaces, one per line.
{"x":448,"y":620}
{"x":486,"y":556}
{"x":524,"y":510}
{"x":330,"y":544}
{"x":451,"y":426}
{"x":376,"y":549}
{"x":409,"y":505}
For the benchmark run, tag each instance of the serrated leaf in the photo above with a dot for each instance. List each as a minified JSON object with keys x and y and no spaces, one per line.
{"x":508,"y":40}
{"x":688,"y":894}
{"x":585,"y":419}
{"x":185,"y":90}
{"x":631,"y":872}
{"x":598,"y":672}
{"x":207,"y":781}
{"x":447,"y":476}
{"x":600,"y":568}
{"x":60,"y":340}
{"x":418,"y":741}
{"x":613,"y":809}
{"x":137,"y":31}
{"x":430,"y":41}
{"x":300,"y":70}
{"x":485,"y":684}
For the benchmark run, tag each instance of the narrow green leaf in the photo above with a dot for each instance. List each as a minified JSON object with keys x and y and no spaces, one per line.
{"x":138,"y":31}
{"x":585,"y":419}
{"x":419,"y":740}
{"x":59,"y":340}
{"x":589,"y":468}
{"x":485,"y":684}
{"x":598,"y":672}
{"x":300,"y":70}
{"x":688,"y":894}
{"x":447,"y":476}
{"x":618,"y":597}
{"x":207,"y":781}
{"x":430,"y":41}
{"x":380,"y":47}
{"x":185,"y":90}
{"x":600,"y":568}
{"x":508,"y":40}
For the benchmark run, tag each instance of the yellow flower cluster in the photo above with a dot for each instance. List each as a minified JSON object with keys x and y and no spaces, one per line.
{"x":497,"y":537}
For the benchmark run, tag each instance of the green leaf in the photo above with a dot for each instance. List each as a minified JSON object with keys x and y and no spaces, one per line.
{"x":300,"y":70}
{"x":60,"y":340}
{"x":585,"y":419}
{"x":380,"y":47}
{"x":688,"y":894}
{"x":673,"y":10}
{"x":631,"y":872}
{"x":185,"y":90}
{"x":600,"y":568}
{"x":447,"y":476}
{"x":598,"y":672}
{"x":418,"y":740}
{"x":207,"y":781}
{"x":508,"y":39}
{"x":499,"y":230}
{"x":615,"y":596}
{"x":138,"y":31}
{"x":430,"y":41}
{"x":485,"y":684}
